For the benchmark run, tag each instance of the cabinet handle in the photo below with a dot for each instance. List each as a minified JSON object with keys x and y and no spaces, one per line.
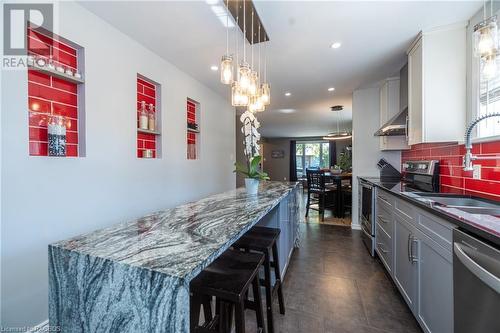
{"x":381,"y":247}
{"x":407,"y":129}
{"x":408,"y":244}
{"x":413,"y":258}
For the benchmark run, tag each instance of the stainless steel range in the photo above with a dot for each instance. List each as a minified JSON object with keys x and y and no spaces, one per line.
{"x":416,"y":176}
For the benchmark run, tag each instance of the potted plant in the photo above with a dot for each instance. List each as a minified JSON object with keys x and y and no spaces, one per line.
{"x":253,"y":175}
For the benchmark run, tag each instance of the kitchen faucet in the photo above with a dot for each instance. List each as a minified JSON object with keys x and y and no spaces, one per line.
{"x":468,"y":157}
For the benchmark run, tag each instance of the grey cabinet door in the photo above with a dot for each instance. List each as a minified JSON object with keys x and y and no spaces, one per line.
{"x":435,"y":286}
{"x":405,"y":268}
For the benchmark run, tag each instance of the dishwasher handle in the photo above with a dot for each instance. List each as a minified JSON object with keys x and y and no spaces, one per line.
{"x":484,"y":275}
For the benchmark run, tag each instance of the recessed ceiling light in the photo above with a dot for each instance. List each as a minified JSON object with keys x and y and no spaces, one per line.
{"x":287,"y":110}
{"x":336,"y":45}
{"x":214,"y":68}
{"x":288,"y":94}
{"x":331,"y":89}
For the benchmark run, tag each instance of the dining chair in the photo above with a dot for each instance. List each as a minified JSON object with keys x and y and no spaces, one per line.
{"x":317,"y":192}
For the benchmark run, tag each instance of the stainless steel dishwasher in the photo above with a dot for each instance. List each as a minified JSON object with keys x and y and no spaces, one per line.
{"x":476,"y":284}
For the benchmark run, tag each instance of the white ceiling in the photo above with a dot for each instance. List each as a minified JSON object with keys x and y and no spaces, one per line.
{"x":374,"y":37}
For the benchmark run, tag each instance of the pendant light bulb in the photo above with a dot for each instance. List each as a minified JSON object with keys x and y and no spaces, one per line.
{"x":226,"y":69}
{"x":238,"y":98}
{"x":244,"y":77}
{"x":265,"y":94}
{"x":489,"y":66}
{"x":253,"y":87}
{"x":486,"y":37}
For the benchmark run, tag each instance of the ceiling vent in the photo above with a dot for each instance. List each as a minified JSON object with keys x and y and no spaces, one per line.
{"x":337,"y":108}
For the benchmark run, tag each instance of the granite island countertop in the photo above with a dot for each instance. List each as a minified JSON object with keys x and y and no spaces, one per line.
{"x":485,"y":226}
{"x":134,"y":276}
{"x":180,"y":241}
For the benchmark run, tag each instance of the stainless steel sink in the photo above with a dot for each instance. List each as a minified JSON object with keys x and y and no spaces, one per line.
{"x":465,"y":203}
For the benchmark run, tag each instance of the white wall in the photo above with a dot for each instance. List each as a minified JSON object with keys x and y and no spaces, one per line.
{"x":49,"y":199}
{"x":365,"y":146}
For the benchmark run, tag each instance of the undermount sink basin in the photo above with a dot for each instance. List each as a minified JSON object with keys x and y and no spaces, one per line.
{"x":465,"y":203}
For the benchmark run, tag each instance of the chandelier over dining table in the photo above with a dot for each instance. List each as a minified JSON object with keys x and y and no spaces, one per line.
{"x":248,"y":81}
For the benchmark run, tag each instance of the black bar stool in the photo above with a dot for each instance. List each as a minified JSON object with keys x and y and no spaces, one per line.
{"x":264,"y":240}
{"x":228,"y":279}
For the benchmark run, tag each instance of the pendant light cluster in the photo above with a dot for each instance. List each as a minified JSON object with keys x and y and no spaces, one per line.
{"x":246,"y":88}
{"x":486,"y":43}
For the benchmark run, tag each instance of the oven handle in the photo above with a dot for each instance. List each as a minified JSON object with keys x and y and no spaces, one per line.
{"x":487,"y":277}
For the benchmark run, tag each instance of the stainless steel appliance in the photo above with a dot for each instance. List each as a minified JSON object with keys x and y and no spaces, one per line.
{"x":421,"y":176}
{"x":366,"y":214}
{"x":476,"y":284}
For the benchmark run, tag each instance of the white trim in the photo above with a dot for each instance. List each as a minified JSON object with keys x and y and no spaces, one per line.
{"x":356,"y":226}
{"x":486,"y":139}
{"x":40,"y":327}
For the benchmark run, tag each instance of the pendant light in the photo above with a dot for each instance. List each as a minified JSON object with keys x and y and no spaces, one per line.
{"x":265,"y":88}
{"x":338,"y":135}
{"x":244,"y":69}
{"x":489,"y":66}
{"x":486,"y":34}
{"x":254,"y":78}
{"x":226,"y":65}
{"x":259,"y":103}
{"x":238,"y":98}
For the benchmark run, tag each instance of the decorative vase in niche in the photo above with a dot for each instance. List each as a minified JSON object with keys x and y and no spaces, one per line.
{"x":56,"y":133}
{"x":252,"y":186}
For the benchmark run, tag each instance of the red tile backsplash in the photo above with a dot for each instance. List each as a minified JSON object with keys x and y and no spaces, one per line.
{"x":49,"y":95}
{"x":453,"y":179}
{"x":191,"y":136}
{"x":146,"y":91}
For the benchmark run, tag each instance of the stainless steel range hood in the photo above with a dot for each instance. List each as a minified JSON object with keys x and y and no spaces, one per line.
{"x":395,"y":126}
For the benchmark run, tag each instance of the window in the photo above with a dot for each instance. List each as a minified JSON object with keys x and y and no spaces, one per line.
{"x":485,"y":93}
{"x":314,"y":154}
{"x":489,"y":102}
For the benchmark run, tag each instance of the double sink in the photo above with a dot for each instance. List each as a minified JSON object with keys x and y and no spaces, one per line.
{"x":466,"y":203}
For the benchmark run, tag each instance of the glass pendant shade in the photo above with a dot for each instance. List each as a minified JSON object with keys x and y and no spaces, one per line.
{"x":226,"y":69}
{"x":253,"y":88}
{"x":238,"y":98}
{"x":489,"y":66}
{"x":265,"y":96}
{"x":255,"y":104}
{"x":486,"y":37}
{"x":244,"y":77}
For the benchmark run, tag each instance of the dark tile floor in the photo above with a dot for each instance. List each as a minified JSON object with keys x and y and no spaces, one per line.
{"x":334,"y":286}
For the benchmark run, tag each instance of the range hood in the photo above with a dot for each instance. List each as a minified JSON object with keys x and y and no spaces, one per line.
{"x":395,"y":126}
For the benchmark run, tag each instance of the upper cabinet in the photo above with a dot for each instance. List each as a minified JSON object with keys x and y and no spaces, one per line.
{"x":437,"y":85}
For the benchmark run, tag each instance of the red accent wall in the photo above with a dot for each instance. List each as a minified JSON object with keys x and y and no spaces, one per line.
{"x":145,"y":92}
{"x":453,"y":179}
{"x":191,"y":136}
{"x":49,"y":95}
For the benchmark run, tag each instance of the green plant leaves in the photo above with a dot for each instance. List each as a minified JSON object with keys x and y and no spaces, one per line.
{"x":252,"y":170}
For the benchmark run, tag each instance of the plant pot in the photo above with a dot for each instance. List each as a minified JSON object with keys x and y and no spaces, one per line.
{"x":252,"y":186}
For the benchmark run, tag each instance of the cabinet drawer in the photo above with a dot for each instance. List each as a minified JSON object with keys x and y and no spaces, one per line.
{"x":384,"y":219}
{"x":384,"y":247}
{"x":404,"y":209}
{"x":437,"y":229}
{"x":385,"y":200}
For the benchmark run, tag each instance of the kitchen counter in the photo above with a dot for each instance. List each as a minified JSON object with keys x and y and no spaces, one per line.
{"x":134,"y":276}
{"x":485,"y":226}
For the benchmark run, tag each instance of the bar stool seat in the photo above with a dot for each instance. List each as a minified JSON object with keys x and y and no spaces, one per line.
{"x":228,"y":279}
{"x":264,"y":240}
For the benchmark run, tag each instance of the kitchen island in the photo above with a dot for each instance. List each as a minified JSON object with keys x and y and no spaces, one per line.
{"x":134,"y":276}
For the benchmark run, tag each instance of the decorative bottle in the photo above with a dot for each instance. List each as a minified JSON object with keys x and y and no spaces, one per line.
{"x":56,"y":130}
{"x":143,"y":117}
{"x":152,"y":120}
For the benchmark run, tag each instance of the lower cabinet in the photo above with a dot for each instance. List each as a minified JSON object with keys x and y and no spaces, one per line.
{"x":435,"y":286}
{"x":422,"y":265}
{"x":405,"y":268}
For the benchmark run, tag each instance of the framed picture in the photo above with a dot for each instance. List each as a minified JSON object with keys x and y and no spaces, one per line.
{"x":278,"y":154}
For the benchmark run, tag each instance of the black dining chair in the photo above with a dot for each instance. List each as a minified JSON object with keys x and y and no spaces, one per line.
{"x":317,"y":192}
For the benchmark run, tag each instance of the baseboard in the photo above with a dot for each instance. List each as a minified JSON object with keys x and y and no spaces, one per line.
{"x":42,"y":327}
{"x":356,"y":226}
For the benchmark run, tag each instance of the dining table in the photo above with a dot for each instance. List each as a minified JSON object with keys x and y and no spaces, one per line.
{"x":336,"y":179}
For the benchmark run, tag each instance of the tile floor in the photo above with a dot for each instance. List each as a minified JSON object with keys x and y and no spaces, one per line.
{"x":334,"y":286}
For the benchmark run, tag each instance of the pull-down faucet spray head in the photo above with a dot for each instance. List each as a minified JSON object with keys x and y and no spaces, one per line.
{"x":468,"y":157}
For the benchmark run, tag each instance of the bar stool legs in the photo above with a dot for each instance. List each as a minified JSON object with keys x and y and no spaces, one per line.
{"x":277,"y":273}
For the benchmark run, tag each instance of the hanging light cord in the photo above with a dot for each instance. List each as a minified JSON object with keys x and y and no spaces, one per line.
{"x":236,"y":39}
{"x":244,"y":31}
{"x":227,"y":28}
{"x":252,"y":39}
{"x":265,"y":62}
{"x":259,"y":50}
